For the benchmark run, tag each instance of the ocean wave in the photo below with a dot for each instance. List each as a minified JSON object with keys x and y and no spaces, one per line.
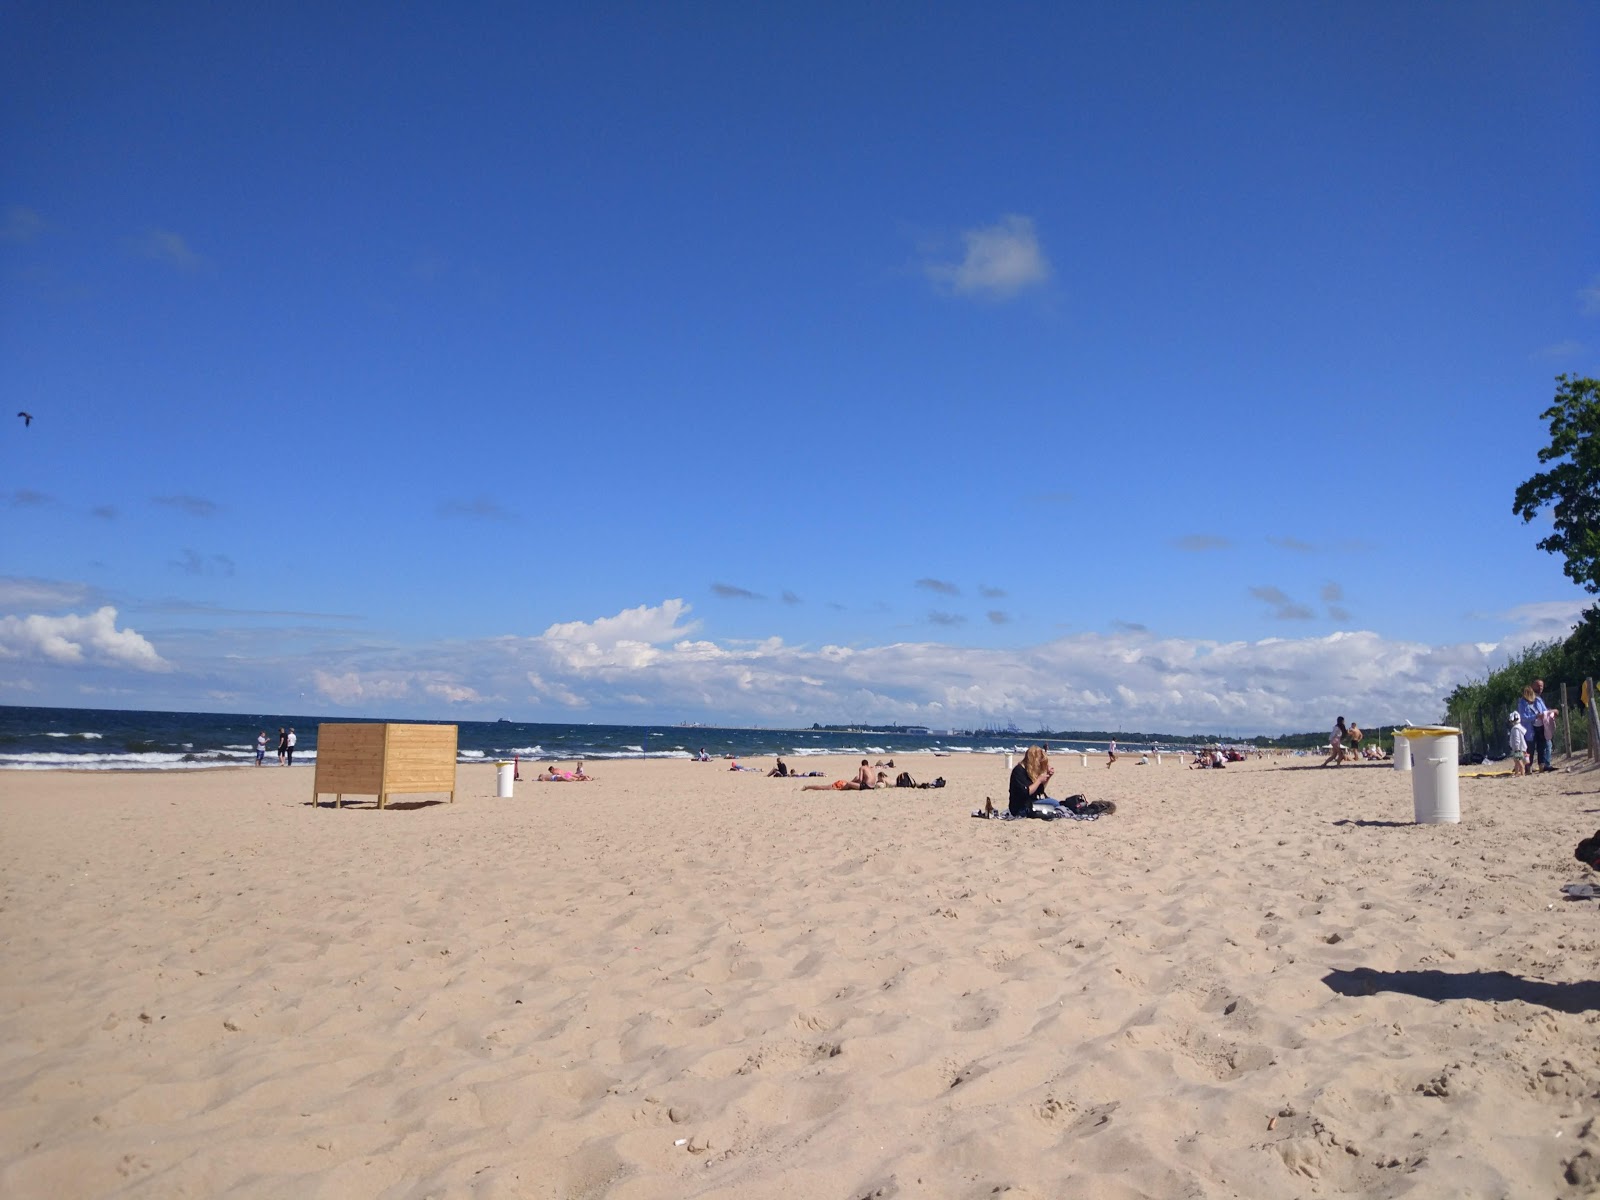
{"x":146,"y":761}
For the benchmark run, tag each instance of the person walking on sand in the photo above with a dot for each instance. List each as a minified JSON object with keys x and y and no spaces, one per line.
{"x":1336,"y":744}
{"x":283,"y":746}
{"x":261,"y":747}
{"x":1111,"y":754}
{"x":288,"y":749}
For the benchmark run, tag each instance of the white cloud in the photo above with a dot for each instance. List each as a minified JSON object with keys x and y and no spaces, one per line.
{"x":999,"y":261}
{"x":17,"y":592}
{"x":162,"y":245}
{"x":353,"y":687}
{"x":629,"y":640}
{"x":19,"y":224}
{"x":652,"y":664}
{"x":73,"y":640}
{"x":1131,"y":679}
{"x":453,"y":693}
{"x":1589,"y":297}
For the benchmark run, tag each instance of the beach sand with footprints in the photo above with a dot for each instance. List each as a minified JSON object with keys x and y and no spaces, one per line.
{"x":679,"y":980}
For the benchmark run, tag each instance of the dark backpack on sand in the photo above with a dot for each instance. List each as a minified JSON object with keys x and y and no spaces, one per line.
{"x":1588,"y":851}
{"x":904,"y":780}
{"x":1084,"y":807}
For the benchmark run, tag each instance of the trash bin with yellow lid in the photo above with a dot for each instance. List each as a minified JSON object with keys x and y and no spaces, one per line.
{"x":1435,"y":781}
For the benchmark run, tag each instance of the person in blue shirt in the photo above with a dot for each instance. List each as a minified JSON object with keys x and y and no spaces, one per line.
{"x":1544,"y":724}
{"x":1529,"y":709}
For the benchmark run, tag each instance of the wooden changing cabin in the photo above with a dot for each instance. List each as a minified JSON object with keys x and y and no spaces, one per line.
{"x":379,"y":760}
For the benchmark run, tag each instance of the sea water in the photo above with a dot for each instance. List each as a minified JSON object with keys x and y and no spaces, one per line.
{"x":119,"y":740}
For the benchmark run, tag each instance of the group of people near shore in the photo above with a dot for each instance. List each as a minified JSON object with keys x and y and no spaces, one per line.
{"x":286,"y":744}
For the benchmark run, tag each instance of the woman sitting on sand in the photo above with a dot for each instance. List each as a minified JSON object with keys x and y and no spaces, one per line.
{"x":1028,"y":780}
{"x":861,"y":783}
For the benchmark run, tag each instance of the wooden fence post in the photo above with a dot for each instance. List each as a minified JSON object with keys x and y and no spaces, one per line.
{"x":1594,"y":720}
{"x":1566,"y":719}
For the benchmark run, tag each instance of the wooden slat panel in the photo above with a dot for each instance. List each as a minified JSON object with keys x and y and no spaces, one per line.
{"x":375,"y":759}
{"x":421,"y":758}
{"x":349,"y":758}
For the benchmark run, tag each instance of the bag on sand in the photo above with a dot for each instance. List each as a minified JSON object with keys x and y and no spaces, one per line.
{"x":1588,"y":851}
{"x":1082,"y":806}
{"x":904,"y":780}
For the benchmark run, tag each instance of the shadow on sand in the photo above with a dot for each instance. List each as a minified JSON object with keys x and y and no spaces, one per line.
{"x":1383,"y":765}
{"x":372,"y":804}
{"x":1470,"y":985}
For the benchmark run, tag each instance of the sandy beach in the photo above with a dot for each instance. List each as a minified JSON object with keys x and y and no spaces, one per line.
{"x":679,"y":980}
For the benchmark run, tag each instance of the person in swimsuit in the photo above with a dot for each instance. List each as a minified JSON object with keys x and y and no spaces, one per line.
{"x":861,"y":783}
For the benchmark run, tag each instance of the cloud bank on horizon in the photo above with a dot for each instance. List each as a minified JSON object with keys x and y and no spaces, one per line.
{"x":652,"y":664}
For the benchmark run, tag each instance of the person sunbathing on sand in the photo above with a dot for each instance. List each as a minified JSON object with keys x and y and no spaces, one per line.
{"x":555,"y":775}
{"x":861,"y":783}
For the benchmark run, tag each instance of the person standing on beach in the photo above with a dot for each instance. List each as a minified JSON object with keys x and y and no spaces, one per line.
{"x":261,"y":747}
{"x":1528,"y":718}
{"x":1543,"y":726}
{"x":1519,"y":745}
{"x":1028,"y":780}
{"x":1111,"y":754}
{"x":288,"y":749}
{"x":283,"y":746}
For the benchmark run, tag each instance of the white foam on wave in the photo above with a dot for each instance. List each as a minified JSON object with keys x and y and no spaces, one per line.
{"x":150,"y":761}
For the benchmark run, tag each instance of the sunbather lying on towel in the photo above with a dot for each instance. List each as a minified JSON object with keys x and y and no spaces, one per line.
{"x":861,"y":783}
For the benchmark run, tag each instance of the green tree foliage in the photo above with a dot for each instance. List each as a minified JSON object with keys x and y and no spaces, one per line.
{"x":1572,"y":485}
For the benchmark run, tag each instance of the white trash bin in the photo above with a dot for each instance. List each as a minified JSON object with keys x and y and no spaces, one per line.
{"x":1402,"y":751}
{"x":1435,"y":780}
{"x":502,"y":779}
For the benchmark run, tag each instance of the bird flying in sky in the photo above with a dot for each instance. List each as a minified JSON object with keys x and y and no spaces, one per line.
{"x":27,"y":418}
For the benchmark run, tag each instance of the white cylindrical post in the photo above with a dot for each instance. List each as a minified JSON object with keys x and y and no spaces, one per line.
{"x":503,"y":772}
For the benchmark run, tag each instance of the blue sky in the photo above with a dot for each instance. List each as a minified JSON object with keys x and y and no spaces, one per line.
{"x":1152,"y":366}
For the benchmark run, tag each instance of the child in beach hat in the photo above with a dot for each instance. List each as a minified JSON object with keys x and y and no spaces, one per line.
{"x":1519,"y":744}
